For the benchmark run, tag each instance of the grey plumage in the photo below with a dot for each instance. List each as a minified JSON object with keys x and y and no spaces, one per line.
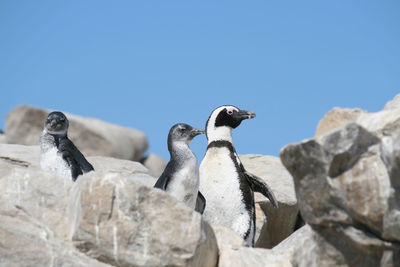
{"x":180,"y":177}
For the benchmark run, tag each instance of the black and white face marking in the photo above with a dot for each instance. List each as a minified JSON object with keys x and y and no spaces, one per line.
{"x":182,"y":132}
{"x":223,"y":120}
{"x":56,"y":123}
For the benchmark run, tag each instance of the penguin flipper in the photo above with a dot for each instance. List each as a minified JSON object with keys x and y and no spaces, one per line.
{"x":75,"y":169}
{"x":200,"y":203}
{"x":66,"y":145}
{"x":163,"y":181}
{"x":258,"y":185}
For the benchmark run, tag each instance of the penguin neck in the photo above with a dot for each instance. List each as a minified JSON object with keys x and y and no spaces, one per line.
{"x":54,"y":137}
{"x":222,"y":133}
{"x":179,"y":149}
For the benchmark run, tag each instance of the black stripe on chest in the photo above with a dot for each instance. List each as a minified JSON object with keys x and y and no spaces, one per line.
{"x":248,"y":196}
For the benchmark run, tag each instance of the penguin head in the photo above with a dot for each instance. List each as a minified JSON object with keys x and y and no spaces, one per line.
{"x":223,"y":120}
{"x":56,"y":123}
{"x":182,"y":132}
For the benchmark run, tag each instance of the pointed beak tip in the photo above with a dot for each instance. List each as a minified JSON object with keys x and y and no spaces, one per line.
{"x":198,"y":132}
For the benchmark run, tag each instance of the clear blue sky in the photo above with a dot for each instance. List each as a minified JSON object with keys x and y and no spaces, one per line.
{"x":151,"y":64}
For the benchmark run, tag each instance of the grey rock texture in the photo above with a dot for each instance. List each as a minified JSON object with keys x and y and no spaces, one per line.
{"x":126,"y":168}
{"x":348,"y":191}
{"x":3,"y":138}
{"x":251,"y":257}
{"x":337,"y":117}
{"x":279,"y":222}
{"x":22,"y":183}
{"x":27,"y":242}
{"x":305,"y":247}
{"x":46,"y":220}
{"x":93,"y":137}
{"x":227,"y":237}
{"x":124,"y":223}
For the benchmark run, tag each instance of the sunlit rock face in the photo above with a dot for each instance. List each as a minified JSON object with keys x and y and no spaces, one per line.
{"x":347,"y":185}
{"x":122,"y":222}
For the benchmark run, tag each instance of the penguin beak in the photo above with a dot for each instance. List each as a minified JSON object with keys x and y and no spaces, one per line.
{"x":244,"y":114}
{"x":194,"y":132}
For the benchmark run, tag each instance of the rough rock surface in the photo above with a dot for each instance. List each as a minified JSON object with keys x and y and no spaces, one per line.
{"x":125,"y":168}
{"x":27,"y":242}
{"x":46,"y":196}
{"x":22,"y":183}
{"x":93,"y":137}
{"x":251,"y":257}
{"x":348,"y":191}
{"x":279,"y":222}
{"x":337,"y":117}
{"x":119,"y":221}
{"x":3,"y":138}
{"x":155,"y":164}
{"x":227,"y":237}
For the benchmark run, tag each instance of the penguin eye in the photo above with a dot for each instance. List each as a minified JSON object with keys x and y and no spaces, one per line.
{"x":182,"y":130}
{"x":230,"y":112}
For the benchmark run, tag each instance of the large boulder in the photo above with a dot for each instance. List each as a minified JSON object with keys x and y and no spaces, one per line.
{"x":126,"y":168}
{"x":24,"y":125}
{"x":122,"y":222}
{"x":348,"y":191}
{"x":27,"y":242}
{"x":279,"y":222}
{"x":306,"y":248}
{"x":45,"y":195}
{"x":42,"y":194}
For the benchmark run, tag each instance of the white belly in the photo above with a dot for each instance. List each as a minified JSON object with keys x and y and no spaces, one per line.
{"x":221,"y":188}
{"x":185,"y":184}
{"x":52,"y":161}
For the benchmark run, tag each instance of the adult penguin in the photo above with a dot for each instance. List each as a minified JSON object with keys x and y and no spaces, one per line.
{"x":226,"y":185}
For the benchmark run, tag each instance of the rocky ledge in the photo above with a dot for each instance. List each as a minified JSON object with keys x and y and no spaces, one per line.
{"x":114,"y":217}
{"x":345,"y":182}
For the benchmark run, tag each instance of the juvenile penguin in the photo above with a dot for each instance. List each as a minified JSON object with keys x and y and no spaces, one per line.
{"x":181,"y":175}
{"x":227,"y":186}
{"x":57,"y":153}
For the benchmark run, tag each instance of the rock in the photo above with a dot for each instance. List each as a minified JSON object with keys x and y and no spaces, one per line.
{"x":19,"y":155}
{"x":279,"y":222}
{"x":227,"y":237}
{"x":251,"y":257}
{"x":337,"y":117}
{"x":93,"y":137}
{"x":22,"y":183}
{"x":307,"y":248}
{"x":126,"y":168}
{"x":46,"y":196}
{"x":393,"y":104}
{"x":348,"y":191}
{"x":373,"y":122}
{"x":155,"y":164}
{"x":3,"y":139}
{"x":121,"y":222}
{"x":26,"y":242}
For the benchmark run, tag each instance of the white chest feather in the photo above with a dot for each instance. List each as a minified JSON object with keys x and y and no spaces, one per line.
{"x":51,"y":161}
{"x":184,"y":184}
{"x":220,"y":186}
